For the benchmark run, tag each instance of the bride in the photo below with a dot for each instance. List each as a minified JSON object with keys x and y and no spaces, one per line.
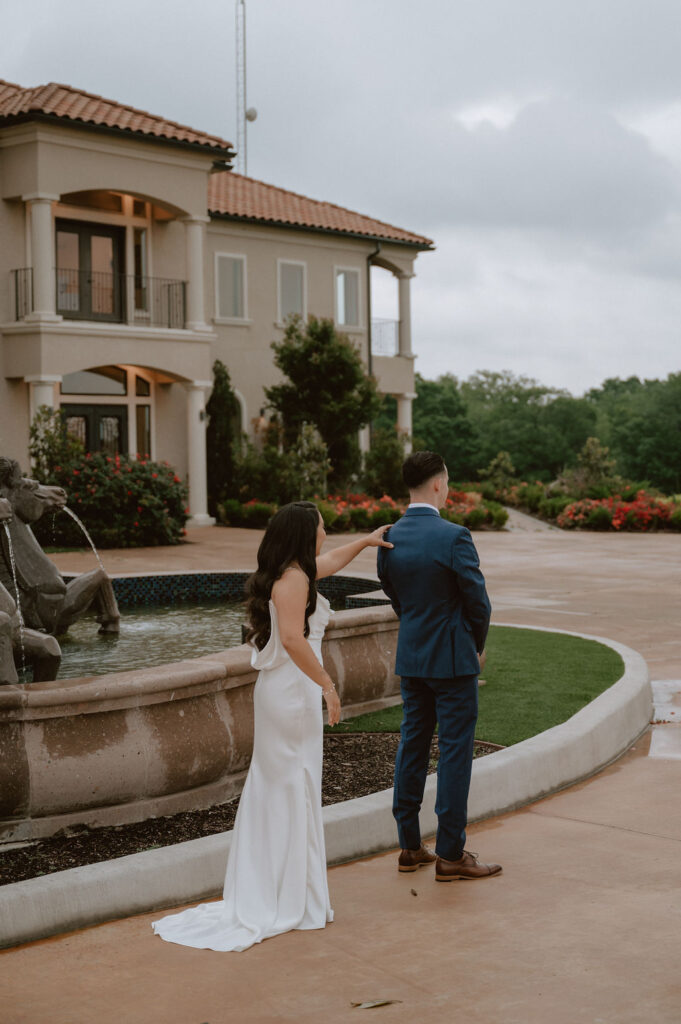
{"x":276,"y":869}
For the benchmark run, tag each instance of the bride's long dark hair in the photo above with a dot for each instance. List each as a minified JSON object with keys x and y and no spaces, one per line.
{"x":290,"y":537}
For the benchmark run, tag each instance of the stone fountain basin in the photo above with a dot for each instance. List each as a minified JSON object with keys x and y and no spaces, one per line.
{"x":126,"y":746}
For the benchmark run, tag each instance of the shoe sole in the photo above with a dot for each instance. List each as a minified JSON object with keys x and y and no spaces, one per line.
{"x":414,"y":867}
{"x":464,"y":878}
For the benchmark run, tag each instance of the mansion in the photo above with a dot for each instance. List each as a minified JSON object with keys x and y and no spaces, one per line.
{"x":132,"y":257}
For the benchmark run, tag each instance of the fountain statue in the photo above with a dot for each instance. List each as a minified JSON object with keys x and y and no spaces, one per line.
{"x":17,"y":643}
{"x":45,"y":604}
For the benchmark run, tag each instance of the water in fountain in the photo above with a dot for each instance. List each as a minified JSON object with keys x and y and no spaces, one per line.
{"x":73,"y":515}
{"x":18,"y":599}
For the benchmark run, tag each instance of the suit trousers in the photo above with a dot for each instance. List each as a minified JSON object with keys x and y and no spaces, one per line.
{"x":453,"y":705}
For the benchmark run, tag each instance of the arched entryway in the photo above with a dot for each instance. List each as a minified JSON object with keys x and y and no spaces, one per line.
{"x":111,"y":409}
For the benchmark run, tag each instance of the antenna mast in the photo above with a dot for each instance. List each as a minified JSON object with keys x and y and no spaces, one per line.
{"x":242,"y":156}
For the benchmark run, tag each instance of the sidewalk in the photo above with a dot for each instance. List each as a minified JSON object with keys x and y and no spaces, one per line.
{"x":583,"y":925}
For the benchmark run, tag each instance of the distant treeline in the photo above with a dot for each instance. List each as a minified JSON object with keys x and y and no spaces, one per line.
{"x":544,"y":429}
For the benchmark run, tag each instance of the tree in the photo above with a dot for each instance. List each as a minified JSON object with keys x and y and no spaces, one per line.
{"x":643,"y":423}
{"x":542,"y":428}
{"x":441,"y":424}
{"x":382,"y":470}
{"x":326,"y":384}
{"x":50,"y":445}
{"x":222,"y":411}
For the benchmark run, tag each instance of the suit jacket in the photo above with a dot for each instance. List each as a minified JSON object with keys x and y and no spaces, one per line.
{"x":433,"y":579}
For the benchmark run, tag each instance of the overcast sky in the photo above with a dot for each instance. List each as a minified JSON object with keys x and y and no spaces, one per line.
{"x":538,"y":142}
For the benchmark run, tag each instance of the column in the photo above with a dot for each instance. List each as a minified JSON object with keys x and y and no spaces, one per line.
{"x":41,"y":391}
{"x":195,"y":240}
{"x":364,"y":439}
{"x":405,"y":315}
{"x":404,"y":418}
{"x":196,"y":453}
{"x":42,"y":255}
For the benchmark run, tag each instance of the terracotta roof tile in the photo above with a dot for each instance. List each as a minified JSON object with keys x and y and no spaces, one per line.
{"x":235,"y":196}
{"x":70,"y":104}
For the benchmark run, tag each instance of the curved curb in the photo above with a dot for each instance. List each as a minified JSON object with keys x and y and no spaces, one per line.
{"x":194,"y":870}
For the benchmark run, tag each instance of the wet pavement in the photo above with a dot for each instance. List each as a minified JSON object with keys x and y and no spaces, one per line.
{"x":583,"y":925}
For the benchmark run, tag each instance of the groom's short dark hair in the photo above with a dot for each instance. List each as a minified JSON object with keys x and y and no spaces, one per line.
{"x":421,"y":466}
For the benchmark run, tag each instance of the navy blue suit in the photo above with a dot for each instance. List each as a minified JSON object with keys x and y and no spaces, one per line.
{"x":433,"y":579}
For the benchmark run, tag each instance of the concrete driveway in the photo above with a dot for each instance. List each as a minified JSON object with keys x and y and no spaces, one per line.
{"x":584,"y":924}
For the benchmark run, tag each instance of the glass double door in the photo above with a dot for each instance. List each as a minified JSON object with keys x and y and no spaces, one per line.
{"x":90,"y":281}
{"x":99,"y":428}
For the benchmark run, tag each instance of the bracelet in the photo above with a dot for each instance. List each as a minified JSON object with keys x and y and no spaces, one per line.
{"x":327,"y":692}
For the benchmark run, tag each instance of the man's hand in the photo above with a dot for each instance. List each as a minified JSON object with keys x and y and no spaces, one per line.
{"x":482,"y":658}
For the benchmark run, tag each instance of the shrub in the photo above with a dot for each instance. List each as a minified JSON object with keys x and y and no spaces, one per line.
{"x":600,"y":518}
{"x":498,"y":513}
{"x":382,"y":465}
{"x":359,"y":518}
{"x":647,"y":512}
{"x":675,"y":519}
{"x":123,"y":501}
{"x":452,"y":516}
{"x":551,"y":508}
{"x":257,"y":514}
{"x":475,"y":518}
{"x":230,"y":512}
{"x":50,"y":444}
{"x":330,"y":513}
{"x":382,"y":517}
{"x":499,"y":472}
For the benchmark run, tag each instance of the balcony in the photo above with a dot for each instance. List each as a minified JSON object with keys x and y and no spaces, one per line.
{"x":384,"y":337}
{"x":105,"y":297}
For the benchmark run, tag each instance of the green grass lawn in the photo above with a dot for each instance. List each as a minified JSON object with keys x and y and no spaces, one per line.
{"x":533,"y":680}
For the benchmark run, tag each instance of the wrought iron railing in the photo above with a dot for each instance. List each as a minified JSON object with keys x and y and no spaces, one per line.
{"x":118,"y":298}
{"x":22,"y":286}
{"x":385,"y":337}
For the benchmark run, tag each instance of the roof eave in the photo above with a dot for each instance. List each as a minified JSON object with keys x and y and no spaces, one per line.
{"x":220,"y":154}
{"x":425,"y":246}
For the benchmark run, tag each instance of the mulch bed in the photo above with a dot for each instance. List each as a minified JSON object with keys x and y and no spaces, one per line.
{"x":355,"y":764}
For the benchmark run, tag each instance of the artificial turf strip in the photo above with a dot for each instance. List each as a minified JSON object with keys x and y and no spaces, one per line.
{"x":533,"y":681}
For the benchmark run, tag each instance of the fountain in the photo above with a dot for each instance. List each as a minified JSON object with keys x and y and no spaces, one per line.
{"x":139,"y":741}
{"x":44,"y":605}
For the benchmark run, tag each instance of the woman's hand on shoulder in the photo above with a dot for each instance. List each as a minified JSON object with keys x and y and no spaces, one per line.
{"x":375,"y":539}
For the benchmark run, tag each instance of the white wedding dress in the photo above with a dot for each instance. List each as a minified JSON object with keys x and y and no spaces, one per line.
{"x":276,"y":869}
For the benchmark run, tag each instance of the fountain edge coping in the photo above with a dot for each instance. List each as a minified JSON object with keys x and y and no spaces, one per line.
{"x":194,"y":870}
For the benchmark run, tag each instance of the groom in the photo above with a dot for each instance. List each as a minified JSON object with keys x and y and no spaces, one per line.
{"x":432,"y":577}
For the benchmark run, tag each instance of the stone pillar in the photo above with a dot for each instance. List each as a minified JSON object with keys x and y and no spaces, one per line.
{"x":195,"y":231}
{"x":196,"y":452}
{"x":41,"y":391}
{"x":404,"y":417}
{"x":42,"y":256}
{"x":405,"y":315}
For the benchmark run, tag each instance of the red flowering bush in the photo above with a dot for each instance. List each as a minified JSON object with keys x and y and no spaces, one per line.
{"x":359,"y":511}
{"x":644,"y":513}
{"x":123,"y":502}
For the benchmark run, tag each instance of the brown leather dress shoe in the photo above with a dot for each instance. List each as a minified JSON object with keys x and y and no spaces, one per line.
{"x":467,"y":866}
{"x":410,"y":860}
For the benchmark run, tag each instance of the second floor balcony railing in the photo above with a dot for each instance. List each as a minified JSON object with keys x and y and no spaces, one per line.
{"x":385,"y":337}
{"x":116,"y":298}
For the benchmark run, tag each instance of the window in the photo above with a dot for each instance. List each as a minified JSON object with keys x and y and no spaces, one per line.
{"x":230,"y":286}
{"x":143,"y":421}
{"x":291,"y":290}
{"x":140,"y":266}
{"x":105,"y":380}
{"x":347,"y":298}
